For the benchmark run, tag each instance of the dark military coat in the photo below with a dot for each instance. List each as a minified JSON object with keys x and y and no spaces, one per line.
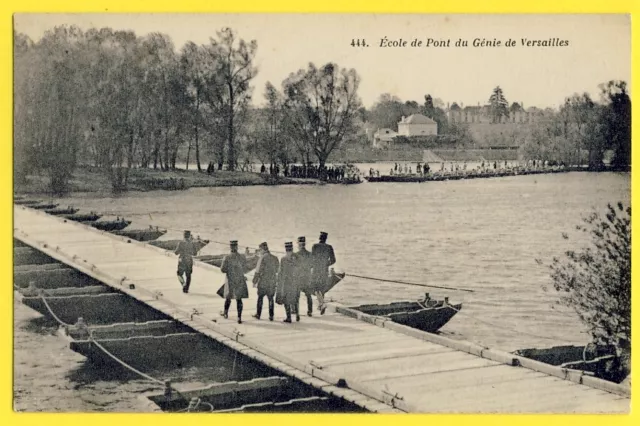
{"x":287,"y":292}
{"x":322,"y":257}
{"x":266,"y":275}
{"x":235,"y":286}
{"x":303,"y":270}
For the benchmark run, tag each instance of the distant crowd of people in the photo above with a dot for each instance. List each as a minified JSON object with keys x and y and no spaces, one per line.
{"x":280,"y":281}
{"x":313,"y":171}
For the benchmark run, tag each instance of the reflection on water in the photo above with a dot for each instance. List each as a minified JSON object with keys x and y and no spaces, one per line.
{"x":478,"y":234}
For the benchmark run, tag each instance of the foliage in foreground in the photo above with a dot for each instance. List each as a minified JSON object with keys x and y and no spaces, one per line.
{"x":596,"y":282}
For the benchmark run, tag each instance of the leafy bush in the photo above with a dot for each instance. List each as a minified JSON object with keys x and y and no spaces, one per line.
{"x":596,"y":282}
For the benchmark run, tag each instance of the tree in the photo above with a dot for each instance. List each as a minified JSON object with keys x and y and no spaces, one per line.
{"x":596,"y":282}
{"x":322,"y":104}
{"x":436,"y":113}
{"x":617,"y":121}
{"x":233,"y":66}
{"x":498,"y":104}
{"x":515,"y":107}
{"x":387,"y":112}
{"x":47,"y":112}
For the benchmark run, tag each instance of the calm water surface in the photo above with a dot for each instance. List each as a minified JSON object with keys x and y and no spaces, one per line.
{"x":482,"y":235}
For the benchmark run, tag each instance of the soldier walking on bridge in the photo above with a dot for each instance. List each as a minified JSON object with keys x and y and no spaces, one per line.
{"x":322,"y":257}
{"x":265,"y":279}
{"x":235,"y":286}
{"x":288,"y":292}
{"x":186,"y":250}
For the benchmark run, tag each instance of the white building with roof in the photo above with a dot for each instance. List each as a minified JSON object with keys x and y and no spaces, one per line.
{"x":383,"y":138}
{"x":417,"y":125}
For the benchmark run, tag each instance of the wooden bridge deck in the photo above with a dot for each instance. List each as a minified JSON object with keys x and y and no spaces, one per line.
{"x":386,"y":367}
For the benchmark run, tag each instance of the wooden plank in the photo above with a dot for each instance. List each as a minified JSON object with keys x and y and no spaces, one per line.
{"x":395,"y":366}
{"x":443,"y":381}
{"x":225,"y":388}
{"x":381,"y":355}
{"x":65,"y":291}
{"x":32,"y":267}
{"x":522,"y":393}
{"x":342,"y":342}
{"x":408,"y":369}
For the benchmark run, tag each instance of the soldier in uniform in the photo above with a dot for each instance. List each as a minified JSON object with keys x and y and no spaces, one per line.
{"x":235,"y":286}
{"x":186,"y":250}
{"x":265,"y":279}
{"x":303,"y":273}
{"x":322,"y":257}
{"x":287,"y":293}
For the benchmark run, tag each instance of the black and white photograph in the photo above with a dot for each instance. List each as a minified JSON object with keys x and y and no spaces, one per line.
{"x":322,"y":213}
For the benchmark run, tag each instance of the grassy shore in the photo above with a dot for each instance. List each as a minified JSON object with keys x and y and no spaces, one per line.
{"x":91,"y":179}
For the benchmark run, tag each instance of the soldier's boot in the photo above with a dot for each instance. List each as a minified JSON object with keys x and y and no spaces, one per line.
{"x":239,"y":307}
{"x":287,"y":308}
{"x":225,"y":313}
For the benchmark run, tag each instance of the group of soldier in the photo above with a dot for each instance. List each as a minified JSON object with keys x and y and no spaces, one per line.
{"x":280,"y":281}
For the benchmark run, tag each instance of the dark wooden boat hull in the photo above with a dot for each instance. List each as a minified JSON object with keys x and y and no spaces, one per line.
{"x":25,"y":202}
{"x":141,"y":234}
{"x":559,"y":355}
{"x":83,"y":217}
{"x":172,"y":245}
{"x":44,"y":206}
{"x":60,"y":212}
{"x":430,"y":317}
{"x":115,"y":225}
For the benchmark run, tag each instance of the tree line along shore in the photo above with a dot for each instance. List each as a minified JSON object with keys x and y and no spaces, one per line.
{"x":132,"y":107}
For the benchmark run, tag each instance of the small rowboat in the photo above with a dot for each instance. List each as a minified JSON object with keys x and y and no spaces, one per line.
{"x":142,"y":234}
{"x":111,"y":225}
{"x":598,"y":361}
{"x":46,"y":206}
{"x":216,"y":260}
{"x":83,"y":217}
{"x":59,"y":212}
{"x":427,"y":315}
{"x":172,"y":245}
{"x":25,"y":202}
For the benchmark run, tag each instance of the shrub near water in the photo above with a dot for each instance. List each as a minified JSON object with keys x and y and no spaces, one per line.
{"x":596,"y":282}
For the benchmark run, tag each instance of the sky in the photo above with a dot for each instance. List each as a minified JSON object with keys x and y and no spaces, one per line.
{"x":599,"y":50}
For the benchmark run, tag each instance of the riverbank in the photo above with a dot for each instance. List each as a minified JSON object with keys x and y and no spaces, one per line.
{"x":92,"y":179}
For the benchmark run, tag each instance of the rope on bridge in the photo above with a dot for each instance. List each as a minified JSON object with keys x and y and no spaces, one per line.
{"x":503,"y":327}
{"x":408,"y":283}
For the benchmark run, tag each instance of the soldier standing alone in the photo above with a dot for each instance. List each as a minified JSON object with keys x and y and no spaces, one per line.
{"x":265,"y":279}
{"x":322,"y":257}
{"x":186,"y":250}
{"x":288,"y":293}
{"x":235,"y":286}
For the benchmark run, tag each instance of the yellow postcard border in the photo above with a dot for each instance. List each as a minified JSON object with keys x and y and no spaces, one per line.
{"x":275,"y":6}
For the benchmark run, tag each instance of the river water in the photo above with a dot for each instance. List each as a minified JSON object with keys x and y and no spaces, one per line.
{"x":484,"y":235}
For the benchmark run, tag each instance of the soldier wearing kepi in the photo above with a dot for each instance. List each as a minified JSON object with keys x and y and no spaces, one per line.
{"x":235,"y":286}
{"x":288,"y":293}
{"x":322,"y":257}
{"x":265,"y":279}
{"x":303,"y":272}
{"x":186,"y":250}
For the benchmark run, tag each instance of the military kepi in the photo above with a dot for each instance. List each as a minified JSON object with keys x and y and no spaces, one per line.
{"x":233,"y":243}
{"x":302,"y":240}
{"x":288,"y":246}
{"x":323,"y":235}
{"x":187,"y":233}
